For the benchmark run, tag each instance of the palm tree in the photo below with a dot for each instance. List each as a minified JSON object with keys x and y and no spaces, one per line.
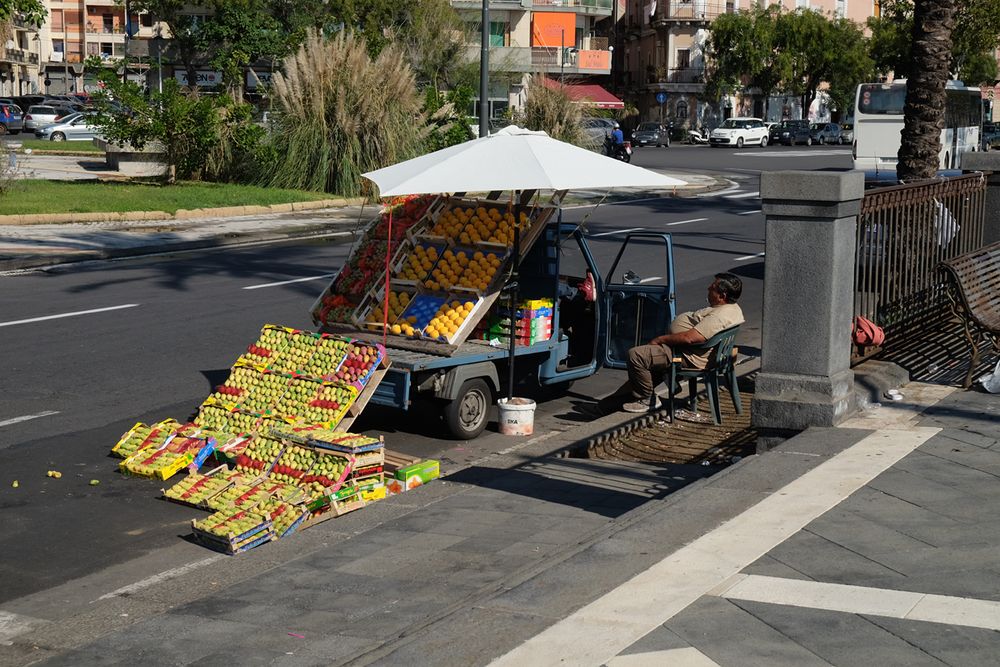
{"x":923,"y":114}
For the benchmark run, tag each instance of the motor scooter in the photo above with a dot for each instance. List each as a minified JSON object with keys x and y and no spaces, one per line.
{"x":622,"y":151}
{"x":697,"y":137}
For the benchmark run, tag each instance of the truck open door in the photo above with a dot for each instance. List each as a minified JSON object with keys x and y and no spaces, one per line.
{"x":638,"y":301}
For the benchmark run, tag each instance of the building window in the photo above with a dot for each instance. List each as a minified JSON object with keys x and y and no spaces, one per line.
{"x":682,"y":109}
{"x":107,"y":49}
{"x":58,"y":46}
{"x":499,"y":33}
{"x":146,"y":20}
{"x":841,"y":9}
{"x":802,"y":4}
{"x":57,"y":20}
{"x":107,"y":23}
{"x":683,"y":60}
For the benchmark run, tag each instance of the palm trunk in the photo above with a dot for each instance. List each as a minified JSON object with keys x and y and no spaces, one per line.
{"x":923,"y":114}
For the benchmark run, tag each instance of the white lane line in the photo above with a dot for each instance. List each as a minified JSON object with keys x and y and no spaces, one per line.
{"x":650,"y":279}
{"x":289,"y":282}
{"x":948,"y":609}
{"x":74,"y":314}
{"x":743,"y":195}
{"x":675,"y":657}
{"x":719,"y":193}
{"x":24,"y":418}
{"x":166,"y":575}
{"x":618,"y":231}
{"x":684,"y":222}
{"x":604,"y":628}
{"x":750,"y":212}
{"x":746,"y":257}
{"x":12,"y":625}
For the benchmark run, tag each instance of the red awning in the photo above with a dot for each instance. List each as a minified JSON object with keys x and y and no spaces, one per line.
{"x":590,"y":93}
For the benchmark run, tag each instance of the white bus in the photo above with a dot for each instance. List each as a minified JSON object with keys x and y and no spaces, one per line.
{"x":878,"y":122}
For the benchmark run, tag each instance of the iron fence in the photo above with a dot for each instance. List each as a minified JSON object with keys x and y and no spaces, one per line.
{"x":903,"y":232}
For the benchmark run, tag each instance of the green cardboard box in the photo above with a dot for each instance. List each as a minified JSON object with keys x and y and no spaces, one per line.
{"x":416,"y":474}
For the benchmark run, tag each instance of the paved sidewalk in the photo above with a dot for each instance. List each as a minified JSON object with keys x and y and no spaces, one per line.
{"x":871,"y":543}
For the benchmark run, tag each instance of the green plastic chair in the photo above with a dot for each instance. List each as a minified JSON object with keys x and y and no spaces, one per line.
{"x":720,"y":364}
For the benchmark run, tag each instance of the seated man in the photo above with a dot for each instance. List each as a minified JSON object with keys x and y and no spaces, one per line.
{"x":647,"y":364}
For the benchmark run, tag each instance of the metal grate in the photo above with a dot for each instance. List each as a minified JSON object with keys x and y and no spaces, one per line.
{"x":903,"y":232}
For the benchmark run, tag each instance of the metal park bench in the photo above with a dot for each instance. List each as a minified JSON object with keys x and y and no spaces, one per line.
{"x":975,"y":298}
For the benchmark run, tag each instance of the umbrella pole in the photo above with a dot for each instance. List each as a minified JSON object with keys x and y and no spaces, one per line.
{"x":513,"y":293}
{"x":385,"y":296}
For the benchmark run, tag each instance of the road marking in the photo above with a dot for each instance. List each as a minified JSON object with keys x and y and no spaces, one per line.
{"x":650,"y":279}
{"x":12,"y":625}
{"x":746,"y":257}
{"x":24,"y":418}
{"x":162,"y":576}
{"x":743,"y":195}
{"x":799,"y":153}
{"x":719,"y":193}
{"x":618,"y":231}
{"x":55,"y":317}
{"x":289,"y":282}
{"x":604,"y":628}
{"x":675,"y":657}
{"x":684,"y":222}
{"x":750,"y":212}
{"x":908,"y":605}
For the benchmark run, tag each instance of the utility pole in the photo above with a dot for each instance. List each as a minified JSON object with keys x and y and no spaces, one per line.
{"x":125,"y":54}
{"x":562,"y":55}
{"x":484,"y":73}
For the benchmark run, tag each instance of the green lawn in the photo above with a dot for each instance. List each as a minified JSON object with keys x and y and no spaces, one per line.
{"x":28,"y":196}
{"x":43,"y":145}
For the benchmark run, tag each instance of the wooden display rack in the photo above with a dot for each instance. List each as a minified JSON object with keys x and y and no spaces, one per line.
{"x":354,"y":410}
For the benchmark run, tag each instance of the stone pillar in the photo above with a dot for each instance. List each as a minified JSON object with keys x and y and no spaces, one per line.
{"x":987,"y":162}
{"x":805,"y":377}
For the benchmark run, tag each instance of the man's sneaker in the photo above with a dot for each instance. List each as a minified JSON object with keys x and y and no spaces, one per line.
{"x":648,"y":405}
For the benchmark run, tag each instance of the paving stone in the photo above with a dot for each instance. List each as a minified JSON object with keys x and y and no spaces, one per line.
{"x":824,"y":442}
{"x":904,"y":517}
{"x":322,"y":652}
{"x":940,"y":464}
{"x":238,"y":655}
{"x":839,"y":638}
{"x":862,"y":535}
{"x":730,"y":636}
{"x":949,"y":497}
{"x":767,"y":566}
{"x":475,"y":636}
{"x":953,"y":645}
{"x":771,"y":472}
{"x":956,"y":451}
{"x":660,"y":639}
{"x":967,"y":437}
{"x":823,"y":560}
{"x":389,"y":615}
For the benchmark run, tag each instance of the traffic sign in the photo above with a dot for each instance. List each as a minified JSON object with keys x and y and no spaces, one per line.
{"x":661,"y":98}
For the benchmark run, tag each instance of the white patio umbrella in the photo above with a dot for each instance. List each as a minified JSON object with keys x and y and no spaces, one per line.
{"x":512,"y":159}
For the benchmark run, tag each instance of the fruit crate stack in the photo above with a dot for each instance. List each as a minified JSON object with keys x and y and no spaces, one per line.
{"x":364,"y":267}
{"x":532,"y":324}
{"x":186,"y":446}
{"x":197,"y":490}
{"x":446,"y":276}
{"x":233,"y":531}
{"x":142,"y":436}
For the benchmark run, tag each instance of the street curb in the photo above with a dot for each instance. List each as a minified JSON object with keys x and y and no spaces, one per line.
{"x":181,"y":214}
{"x":42,"y":262}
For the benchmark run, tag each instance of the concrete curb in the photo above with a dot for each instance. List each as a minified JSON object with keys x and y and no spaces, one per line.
{"x":181,"y":214}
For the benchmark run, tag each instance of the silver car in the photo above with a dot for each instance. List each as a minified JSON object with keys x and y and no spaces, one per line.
{"x":40,"y":115}
{"x":75,"y":127}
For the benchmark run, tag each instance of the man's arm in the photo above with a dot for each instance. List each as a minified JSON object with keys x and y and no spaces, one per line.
{"x":689,"y":337}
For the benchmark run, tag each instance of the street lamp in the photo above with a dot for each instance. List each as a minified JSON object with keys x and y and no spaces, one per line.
{"x":484,"y":72}
{"x":158,"y":44}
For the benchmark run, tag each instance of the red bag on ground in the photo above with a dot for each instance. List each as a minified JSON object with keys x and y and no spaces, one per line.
{"x":867,"y":332}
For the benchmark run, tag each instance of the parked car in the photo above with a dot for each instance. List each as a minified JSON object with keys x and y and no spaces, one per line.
{"x":11,"y":119}
{"x":651,"y":134}
{"x":991,"y":136}
{"x":825,"y":133}
{"x":791,"y":132}
{"x":40,"y":115}
{"x":846,"y":133}
{"x":739,"y":132}
{"x":598,"y":129}
{"x":74,"y":127}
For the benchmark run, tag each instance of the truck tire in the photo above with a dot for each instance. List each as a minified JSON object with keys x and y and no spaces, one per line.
{"x":467,"y":415}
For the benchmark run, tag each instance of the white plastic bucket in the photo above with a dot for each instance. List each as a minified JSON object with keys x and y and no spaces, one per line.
{"x":517,"y":417}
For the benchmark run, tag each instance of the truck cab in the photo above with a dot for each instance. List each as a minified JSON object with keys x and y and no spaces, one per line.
{"x":586,"y":335}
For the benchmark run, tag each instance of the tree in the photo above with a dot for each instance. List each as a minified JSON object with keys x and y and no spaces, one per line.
{"x":923,"y":113}
{"x":972,"y":46}
{"x":239,"y":33}
{"x":743,"y":50}
{"x":32,"y":11}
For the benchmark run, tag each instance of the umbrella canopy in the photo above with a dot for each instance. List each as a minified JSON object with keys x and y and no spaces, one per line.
{"x":512,"y":159}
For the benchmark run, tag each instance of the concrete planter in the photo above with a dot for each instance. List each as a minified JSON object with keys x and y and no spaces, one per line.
{"x":129,"y":160}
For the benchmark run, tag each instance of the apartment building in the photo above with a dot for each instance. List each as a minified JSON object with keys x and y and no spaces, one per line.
{"x":664,"y":43}
{"x":19,"y":60}
{"x":567,"y":40}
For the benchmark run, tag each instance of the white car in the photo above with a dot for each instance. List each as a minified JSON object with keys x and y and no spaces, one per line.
{"x":740,"y":132}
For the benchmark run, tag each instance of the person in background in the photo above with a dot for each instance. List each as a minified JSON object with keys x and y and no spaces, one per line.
{"x":648,"y":364}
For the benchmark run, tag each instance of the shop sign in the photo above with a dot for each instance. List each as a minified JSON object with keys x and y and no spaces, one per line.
{"x":206,"y":78}
{"x":257,"y":77}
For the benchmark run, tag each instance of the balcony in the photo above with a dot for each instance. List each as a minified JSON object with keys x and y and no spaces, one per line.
{"x":589,"y":7}
{"x":100,"y":29}
{"x":551,"y":60}
{"x":691,"y":11}
{"x":677,"y":80}
{"x":18,"y":56}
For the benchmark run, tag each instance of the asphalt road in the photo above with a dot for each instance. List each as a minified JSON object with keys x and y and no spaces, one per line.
{"x":152,"y":337}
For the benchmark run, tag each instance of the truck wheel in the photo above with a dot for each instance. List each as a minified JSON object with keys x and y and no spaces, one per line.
{"x":467,"y":415}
